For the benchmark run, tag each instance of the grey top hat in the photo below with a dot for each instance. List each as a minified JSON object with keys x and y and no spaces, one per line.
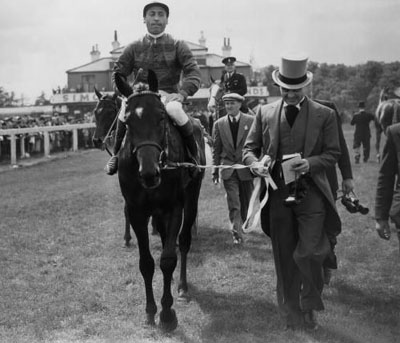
{"x":292,"y":74}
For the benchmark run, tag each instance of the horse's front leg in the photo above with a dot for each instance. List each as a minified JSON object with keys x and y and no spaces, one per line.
{"x":168,"y":261}
{"x":185,"y":237}
{"x":127,"y":236}
{"x":146,"y":261}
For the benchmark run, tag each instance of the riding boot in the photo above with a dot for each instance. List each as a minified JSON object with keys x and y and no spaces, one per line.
{"x":186,"y":132}
{"x":112,"y":164}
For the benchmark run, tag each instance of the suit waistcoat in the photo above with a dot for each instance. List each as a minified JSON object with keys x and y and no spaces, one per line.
{"x":291,"y":139}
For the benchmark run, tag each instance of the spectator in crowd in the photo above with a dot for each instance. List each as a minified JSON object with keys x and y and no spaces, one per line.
{"x":172,"y":61}
{"x":298,"y":230}
{"x":362,"y":133}
{"x":229,"y":135}
{"x":234,"y":82}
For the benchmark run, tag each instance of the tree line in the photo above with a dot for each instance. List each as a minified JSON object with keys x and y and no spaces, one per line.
{"x":345,"y":85}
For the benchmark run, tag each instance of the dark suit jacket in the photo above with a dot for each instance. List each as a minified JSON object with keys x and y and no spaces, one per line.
{"x":344,"y":162}
{"x":361,"y":120}
{"x":235,"y":84}
{"x":321,"y":147}
{"x":387,"y":200}
{"x":224,"y":152}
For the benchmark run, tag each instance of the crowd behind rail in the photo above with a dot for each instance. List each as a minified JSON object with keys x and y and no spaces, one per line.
{"x":61,"y":141}
{"x":34,"y":142}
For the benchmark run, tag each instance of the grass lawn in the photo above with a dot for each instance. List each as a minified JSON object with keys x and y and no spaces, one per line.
{"x":65,"y":275}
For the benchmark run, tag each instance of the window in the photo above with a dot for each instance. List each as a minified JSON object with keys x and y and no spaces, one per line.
{"x":88,"y":83}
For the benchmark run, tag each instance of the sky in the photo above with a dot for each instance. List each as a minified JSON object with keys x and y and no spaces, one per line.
{"x":40,"y":40}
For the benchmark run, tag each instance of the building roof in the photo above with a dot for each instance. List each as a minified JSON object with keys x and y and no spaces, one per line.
{"x":102,"y":64}
{"x":214,"y":60}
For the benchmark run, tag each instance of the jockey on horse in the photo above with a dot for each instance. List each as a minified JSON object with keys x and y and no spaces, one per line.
{"x":168,"y":57}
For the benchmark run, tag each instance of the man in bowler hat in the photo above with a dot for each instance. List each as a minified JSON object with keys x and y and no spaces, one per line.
{"x":297,"y":124}
{"x":362,"y":133}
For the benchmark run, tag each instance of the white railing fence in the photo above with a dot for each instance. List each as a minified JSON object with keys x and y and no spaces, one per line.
{"x":19,"y":134}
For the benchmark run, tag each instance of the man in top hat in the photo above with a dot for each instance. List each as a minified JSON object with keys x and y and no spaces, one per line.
{"x":169,"y":58}
{"x":362,"y":132}
{"x":229,"y":135}
{"x":299,"y":229}
{"x":232,"y":81}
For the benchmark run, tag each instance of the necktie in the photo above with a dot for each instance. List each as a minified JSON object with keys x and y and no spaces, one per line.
{"x":291,"y":112}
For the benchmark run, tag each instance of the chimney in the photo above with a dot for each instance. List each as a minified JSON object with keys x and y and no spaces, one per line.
{"x":95,"y":53}
{"x":202,"y":40}
{"x":115,"y":44}
{"x":226,"y":49}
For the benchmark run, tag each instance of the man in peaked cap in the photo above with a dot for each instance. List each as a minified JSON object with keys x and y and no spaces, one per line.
{"x":362,"y":132}
{"x":232,"y":81}
{"x":169,"y":58}
{"x":298,"y":230}
{"x":229,"y":134}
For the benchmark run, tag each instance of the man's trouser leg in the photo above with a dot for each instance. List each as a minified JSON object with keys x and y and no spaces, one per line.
{"x":184,"y":126}
{"x":366,"y":148}
{"x":112,"y":164}
{"x":231,"y":186}
{"x":356,"y":148}
{"x":312,"y":248}
{"x":284,"y":237}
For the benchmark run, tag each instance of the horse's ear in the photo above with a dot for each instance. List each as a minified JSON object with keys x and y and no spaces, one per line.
{"x":122,"y":85}
{"x":152,"y":81}
{"x":98,"y":94}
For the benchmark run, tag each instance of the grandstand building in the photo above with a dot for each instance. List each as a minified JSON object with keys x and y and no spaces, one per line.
{"x":79,"y":97}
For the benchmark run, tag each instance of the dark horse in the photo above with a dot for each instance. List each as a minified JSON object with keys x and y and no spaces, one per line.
{"x":105,"y":114}
{"x":153,"y":184}
{"x":387,"y":113}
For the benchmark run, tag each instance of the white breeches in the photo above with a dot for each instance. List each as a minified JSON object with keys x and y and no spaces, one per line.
{"x":175,"y":111}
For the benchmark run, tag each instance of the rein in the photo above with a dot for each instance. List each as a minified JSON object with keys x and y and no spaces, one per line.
{"x":108,"y":135}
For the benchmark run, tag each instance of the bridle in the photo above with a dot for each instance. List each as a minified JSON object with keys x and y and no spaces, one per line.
{"x":113,"y":124}
{"x":146,"y":143}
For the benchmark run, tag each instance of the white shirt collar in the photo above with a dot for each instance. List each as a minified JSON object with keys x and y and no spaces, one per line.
{"x":237,"y":118}
{"x":298,"y":105}
{"x":156,"y":36}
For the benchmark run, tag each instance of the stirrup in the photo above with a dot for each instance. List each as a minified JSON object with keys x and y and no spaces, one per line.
{"x":112,"y":165}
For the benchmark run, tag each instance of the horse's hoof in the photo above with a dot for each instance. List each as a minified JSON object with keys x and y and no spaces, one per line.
{"x":150,"y":321}
{"x":183,"y":297}
{"x":168,"y":322}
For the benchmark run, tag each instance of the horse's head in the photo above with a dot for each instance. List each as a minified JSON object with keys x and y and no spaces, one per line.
{"x":146,"y":123}
{"x":105,"y":114}
{"x":216,"y":91}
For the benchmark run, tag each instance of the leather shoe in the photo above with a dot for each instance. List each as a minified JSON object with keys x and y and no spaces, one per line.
{"x":310,"y":322}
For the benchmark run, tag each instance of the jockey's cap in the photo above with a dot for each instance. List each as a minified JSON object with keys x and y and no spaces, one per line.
{"x":155,"y":3}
